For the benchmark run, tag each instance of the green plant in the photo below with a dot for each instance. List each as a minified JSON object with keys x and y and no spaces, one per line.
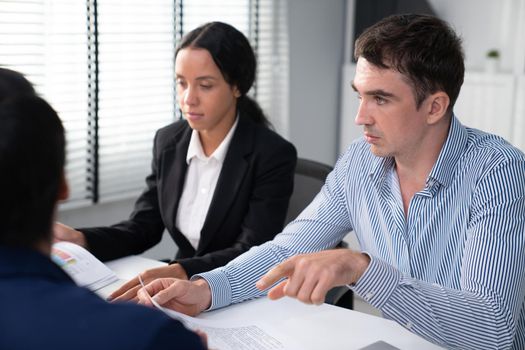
{"x":493,"y":53}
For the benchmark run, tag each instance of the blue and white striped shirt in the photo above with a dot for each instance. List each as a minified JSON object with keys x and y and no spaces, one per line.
{"x":452,"y":271}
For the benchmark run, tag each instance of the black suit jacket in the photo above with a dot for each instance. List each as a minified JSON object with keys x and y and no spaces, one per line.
{"x":42,"y":308}
{"x":248,"y":207}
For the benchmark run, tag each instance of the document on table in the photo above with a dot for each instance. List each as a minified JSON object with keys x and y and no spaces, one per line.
{"x":82,"y":266}
{"x":228,"y":335}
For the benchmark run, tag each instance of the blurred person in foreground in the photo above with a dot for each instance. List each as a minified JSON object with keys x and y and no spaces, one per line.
{"x":42,"y":308}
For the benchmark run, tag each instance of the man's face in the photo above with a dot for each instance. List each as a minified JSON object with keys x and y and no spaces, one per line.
{"x":392,"y":124}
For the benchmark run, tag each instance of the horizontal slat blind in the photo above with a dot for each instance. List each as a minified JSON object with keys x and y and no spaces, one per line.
{"x":234,"y":12}
{"x":273,"y":61}
{"x":46,"y":40}
{"x":136,"y":48}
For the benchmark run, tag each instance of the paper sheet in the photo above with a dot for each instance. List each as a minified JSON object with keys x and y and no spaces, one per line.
{"x":86,"y":270}
{"x":230,"y":336}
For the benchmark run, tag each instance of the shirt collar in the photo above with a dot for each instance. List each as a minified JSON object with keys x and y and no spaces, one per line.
{"x":380,"y":168}
{"x":443,"y":170}
{"x":195,"y":146}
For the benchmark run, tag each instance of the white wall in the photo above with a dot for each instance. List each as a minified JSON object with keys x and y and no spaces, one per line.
{"x":485,"y":25}
{"x":491,"y":101}
{"x":348,"y":130}
{"x":316,"y":35}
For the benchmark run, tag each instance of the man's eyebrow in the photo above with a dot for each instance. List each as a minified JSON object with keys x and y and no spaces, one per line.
{"x":377,"y":92}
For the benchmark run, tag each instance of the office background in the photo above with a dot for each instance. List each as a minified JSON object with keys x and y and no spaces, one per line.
{"x":309,"y":101}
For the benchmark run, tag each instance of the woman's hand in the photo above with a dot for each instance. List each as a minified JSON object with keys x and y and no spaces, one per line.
{"x":63,"y":232}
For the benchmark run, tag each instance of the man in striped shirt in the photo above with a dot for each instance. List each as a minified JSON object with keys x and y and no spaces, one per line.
{"x":438,"y":208}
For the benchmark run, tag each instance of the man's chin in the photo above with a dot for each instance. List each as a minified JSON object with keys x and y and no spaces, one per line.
{"x":379,"y":152}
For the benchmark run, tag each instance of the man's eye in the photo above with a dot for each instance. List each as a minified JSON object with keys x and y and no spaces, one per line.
{"x":380,"y":100}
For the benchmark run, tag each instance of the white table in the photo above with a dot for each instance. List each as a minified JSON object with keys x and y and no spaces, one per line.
{"x":313,"y":327}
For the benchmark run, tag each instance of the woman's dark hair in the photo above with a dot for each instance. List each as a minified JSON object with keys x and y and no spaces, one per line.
{"x":234,"y":56}
{"x":32,"y":156}
{"x":422,"y":48}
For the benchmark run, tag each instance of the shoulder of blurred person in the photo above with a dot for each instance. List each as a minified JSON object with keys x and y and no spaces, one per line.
{"x":43,"y":308}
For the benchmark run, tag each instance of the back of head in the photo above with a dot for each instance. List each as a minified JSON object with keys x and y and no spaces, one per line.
{"x":13,"y":84}
{"x":232,"y":53}
{"x":32,"y":155}
{"x":421,"y":47}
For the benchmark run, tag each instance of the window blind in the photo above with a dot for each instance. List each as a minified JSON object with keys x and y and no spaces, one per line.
{"x":136,"y":90}
{"x":46,"y":41}
{"x":106,"y":66}
{"x":273,"y":62}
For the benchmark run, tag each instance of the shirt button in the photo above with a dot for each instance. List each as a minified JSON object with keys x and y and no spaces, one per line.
{"x":369,"y":296}
{"x":409,"y":325}
{"x":204,"y":190}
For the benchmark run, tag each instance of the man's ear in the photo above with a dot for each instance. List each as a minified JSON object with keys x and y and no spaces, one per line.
{"x":438,"y":107}
{"x":63,"y":189}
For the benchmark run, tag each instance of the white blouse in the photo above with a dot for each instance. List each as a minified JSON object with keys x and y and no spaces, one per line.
{"x":199,"y":185}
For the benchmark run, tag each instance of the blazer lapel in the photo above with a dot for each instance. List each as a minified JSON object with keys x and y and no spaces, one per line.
{"x":230,"y":179}
{"x":173,"y":172}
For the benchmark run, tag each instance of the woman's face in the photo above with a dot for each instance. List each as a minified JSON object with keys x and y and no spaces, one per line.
{"x":207,"y":101}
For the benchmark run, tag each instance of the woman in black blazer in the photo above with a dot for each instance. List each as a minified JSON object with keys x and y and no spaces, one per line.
{"x":215,"y":67}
